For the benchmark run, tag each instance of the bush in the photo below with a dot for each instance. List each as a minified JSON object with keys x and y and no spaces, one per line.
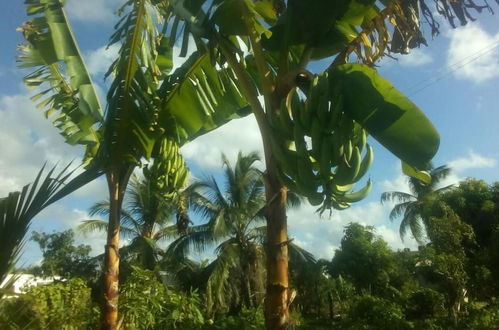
{"x":425,"y":303}
{"x":478,"y":317}
{"x":368,"y":312}
{"x":63,"y":305}
{"x":247,"y":319}
{"x":146,"y":303}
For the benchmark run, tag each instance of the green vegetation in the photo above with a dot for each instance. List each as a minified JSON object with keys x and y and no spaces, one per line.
{"x":151,"y":111}
{"x":449,"y":283}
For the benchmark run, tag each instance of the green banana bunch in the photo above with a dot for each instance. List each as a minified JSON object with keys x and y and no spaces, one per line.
{"x":169,"y":171}
{"x":321,"y":153}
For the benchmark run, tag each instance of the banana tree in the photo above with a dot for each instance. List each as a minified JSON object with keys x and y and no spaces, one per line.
{"x":314,"y":127}
{"x":146,"y":104}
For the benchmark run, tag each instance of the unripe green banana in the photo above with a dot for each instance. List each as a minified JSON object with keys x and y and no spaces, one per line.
{"x":323,"y":103}
{"x":365,"y":164}
{"x":339,"y":205}
{"x":341,"y":189}
{"x":346,"y":174}
{"x":313,"y":97}
{"x":316,"y":135}
{"x":336,"y":109}
{"x":337,"y":149}
{"x":362,"y":138}
{"x":293,"y":103}
{"x":286,"y":159}
{"x":277,"y":126}
{"x":326,"y":154}
{"x":358,"y":195}
{"x":284,"y":116}
{"x":348,"y":147}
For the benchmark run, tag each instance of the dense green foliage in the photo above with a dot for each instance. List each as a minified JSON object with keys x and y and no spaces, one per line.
{"x":63,"y":305}
{"x":449,"y":283}
{"x":61,"y":257}
{"x":146,"y":303}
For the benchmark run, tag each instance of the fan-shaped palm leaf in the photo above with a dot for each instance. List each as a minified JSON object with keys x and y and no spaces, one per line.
{"x":19,"y":208}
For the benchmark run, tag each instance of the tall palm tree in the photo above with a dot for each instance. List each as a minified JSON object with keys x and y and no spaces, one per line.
{"x":235,"y":212}
{"x":146,"y":219}
{"x":234,"y":216}
{"x":410,"y":205}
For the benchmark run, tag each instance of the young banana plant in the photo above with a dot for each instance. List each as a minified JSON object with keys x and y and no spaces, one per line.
{"x":145,"y":103}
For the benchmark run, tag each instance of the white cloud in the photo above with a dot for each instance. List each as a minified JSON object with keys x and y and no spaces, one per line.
{"x":416,"y":57}
{"x":95,"y":11}
{"x":393,"y":239}
{"x":237,"y":135}
{"x":473,"y":53}
{"x":472,"y":161}
{"x":98,"y":61}
{"x":400,"y":183}
{"x":322,"y":236}
{"x":28,"y":141}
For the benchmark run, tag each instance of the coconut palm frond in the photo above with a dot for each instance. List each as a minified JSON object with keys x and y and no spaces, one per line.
{"x":294,"y":200}
{"x":99,"y":209}
{"x":198,"y":239}
{"x":399,"y":209}
{"x":412,"y":221}
{"x":102,"y":209}
{"x":445,"y":189}
{"x":410,"y":206}
{"x":438,"y":174}
{"x":89,"y":226}
{"x":167,"y":232}
{"x":19,"y":208}
{"x":218,"y":285}
{"x":298,"y":255}
{"x":396,"y":196}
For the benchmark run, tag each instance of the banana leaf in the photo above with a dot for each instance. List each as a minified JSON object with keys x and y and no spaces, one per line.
{"x":70,"y":98}
{"x":387,"y":114}
{"x":199,"y":97}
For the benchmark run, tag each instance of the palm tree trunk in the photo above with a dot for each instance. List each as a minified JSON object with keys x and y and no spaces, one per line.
{"x":277,"y":298}
{"x":331,"y":304}
{"x":117,"y":180}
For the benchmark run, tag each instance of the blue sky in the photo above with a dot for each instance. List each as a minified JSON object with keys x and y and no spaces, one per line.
{"x":455,"y":81}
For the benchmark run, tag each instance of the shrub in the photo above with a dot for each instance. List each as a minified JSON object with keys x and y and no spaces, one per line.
{"x":247,"y":319}
{"x":478,"y":317}
{"x":63,"y":305}
{"x":368,"y":312}
{"x":425,"y":303}
{"x":146,"y":303}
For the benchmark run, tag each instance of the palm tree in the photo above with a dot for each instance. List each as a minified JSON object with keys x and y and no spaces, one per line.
{"x":146,"y":219}
{"x":235,"y":214}
{"x":410,"y":205}
{"x":234,"y":217}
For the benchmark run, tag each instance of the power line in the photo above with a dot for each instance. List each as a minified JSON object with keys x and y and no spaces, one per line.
{"x":413,"y":89}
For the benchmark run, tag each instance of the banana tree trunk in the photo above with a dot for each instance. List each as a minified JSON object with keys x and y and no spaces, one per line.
{"x":278,"y":297}
{"x":117,"y":180}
